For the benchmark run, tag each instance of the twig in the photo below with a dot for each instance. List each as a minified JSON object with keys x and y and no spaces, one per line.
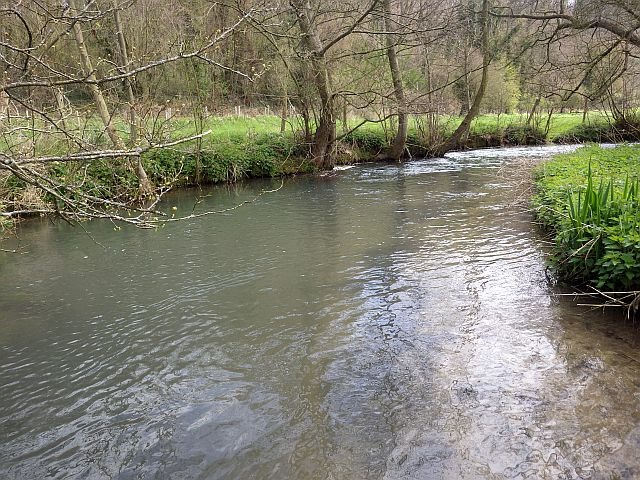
{"x":216,"y":212}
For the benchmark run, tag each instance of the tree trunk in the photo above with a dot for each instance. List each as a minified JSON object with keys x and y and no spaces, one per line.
{"x":4,"y":105}
{"x":345,"y":117}
{"x":4,"y":109}
{"x":133,"y":128}
{"x":143,"y":180}
{"x":548,"y":124}
{"x":459,"y":137}
{"x":465,"y":89}
{"x":399,"y":142}
{"x":61,"y":107}
{"x":101,"y":104}
{"x":89,"y":72}
{"x":285,"y":109}
{"x":322,"y":145}
{"x":306,"y":125}
{"x":533,"y":110}
{"x":432,"y":133}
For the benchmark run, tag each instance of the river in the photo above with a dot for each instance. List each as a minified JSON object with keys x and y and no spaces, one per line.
{"x":381,"y":322}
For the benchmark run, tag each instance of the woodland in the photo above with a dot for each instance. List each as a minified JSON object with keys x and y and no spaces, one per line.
{"x":107,"y":104}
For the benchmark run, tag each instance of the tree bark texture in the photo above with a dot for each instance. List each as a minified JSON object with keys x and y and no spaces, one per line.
{"x":96,"y":93}
{"x":4,"y":105}
{"x":323,"y":142}
{"x":100,"y":103}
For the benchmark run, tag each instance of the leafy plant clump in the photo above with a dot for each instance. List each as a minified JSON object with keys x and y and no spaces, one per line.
{"x":587,"y":132}
{"x":224,"y":160}
{"x":369,"y":141}
{"x":523,"y":135}
{"x":591,"y":201}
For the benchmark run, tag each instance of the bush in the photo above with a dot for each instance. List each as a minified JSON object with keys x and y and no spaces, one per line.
{"x":626,"y":129}
{"x":591,"y":201}
{"x":225,"y":160}
{"x":523,"y":135}
{"x":370,"y":141}
{"x":164,"y":165}
{"x":597,"y":133}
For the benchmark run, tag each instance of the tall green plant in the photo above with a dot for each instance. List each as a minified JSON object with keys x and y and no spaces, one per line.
{"x":596,"y":223}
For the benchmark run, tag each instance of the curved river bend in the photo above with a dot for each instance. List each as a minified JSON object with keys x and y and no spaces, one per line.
{"x":379,"y":322}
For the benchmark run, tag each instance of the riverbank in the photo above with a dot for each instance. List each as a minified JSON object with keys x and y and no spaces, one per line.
{"x":249,"y":147}
{"x":336,"y":305}
{"x":590,"y":202}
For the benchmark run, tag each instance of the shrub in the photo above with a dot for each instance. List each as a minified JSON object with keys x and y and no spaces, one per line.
{"x":598,"y":133}
{"x":225,"y":160}
{"x":523,"y":135}
{"x":370,"y":141}
{"x":591,"y":201}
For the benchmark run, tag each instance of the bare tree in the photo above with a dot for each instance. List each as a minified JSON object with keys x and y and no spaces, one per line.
{"x":400,"y":139}
{"x":584,"y":47}
{"x":618,"y":17}
{"x":46,"y":48}
{"x":456,"y":140}
{"x":324,"y":138}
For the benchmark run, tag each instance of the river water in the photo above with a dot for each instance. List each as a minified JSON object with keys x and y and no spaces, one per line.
{"x":382,"y":322}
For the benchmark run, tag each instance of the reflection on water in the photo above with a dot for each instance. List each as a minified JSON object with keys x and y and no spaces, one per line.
{"x":379,"y":322}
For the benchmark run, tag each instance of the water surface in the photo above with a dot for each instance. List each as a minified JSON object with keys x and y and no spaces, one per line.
{"x":381,"y":322}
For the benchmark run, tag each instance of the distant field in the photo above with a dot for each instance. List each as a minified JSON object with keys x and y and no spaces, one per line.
{"x":18,"y":138}
{"x":233,"y":127}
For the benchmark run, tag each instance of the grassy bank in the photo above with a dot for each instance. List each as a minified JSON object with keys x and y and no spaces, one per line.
{"x":590,"y":200}
{"x":244,"y":147}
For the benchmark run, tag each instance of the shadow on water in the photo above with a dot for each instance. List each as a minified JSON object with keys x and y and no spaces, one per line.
{"x":384,"y":322}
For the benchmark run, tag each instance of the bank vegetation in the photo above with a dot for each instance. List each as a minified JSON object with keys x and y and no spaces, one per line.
{"x":107,"y":104}
{"x":590,"y":201}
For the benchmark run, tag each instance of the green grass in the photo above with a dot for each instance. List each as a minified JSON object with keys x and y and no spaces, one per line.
{"x":560,"y":125}
{"x":227,"y":128}
{"x":242,"y":147}
{"x":236,"y":127}
{"x":591,"y":201}
{"x":494,"y":130}
{"x":564,"y":127}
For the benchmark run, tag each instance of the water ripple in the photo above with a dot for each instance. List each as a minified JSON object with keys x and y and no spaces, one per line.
{"x":383,"y":322}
